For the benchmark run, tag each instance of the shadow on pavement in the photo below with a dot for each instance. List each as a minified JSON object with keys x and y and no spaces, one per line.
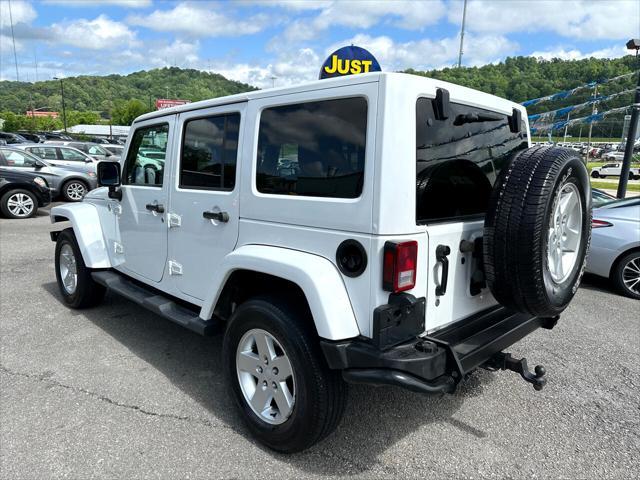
{"x":375,"y":418}
{"x":600,"y":284}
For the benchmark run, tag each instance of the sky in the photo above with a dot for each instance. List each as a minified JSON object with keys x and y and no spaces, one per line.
{"x":255,"y":40}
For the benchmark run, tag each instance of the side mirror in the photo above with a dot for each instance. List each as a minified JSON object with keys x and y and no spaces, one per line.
{"x":109,"y":176}
{"x":38,"y":164}
{"x":88,"y":160}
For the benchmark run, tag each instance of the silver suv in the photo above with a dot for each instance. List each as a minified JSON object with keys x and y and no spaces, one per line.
{"x":72,"y":183}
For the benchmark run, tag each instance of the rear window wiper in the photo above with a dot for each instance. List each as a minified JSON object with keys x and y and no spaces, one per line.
{"x":475,"y":118}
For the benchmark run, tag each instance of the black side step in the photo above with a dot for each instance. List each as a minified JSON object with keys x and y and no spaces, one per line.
{"x":157,"y":303}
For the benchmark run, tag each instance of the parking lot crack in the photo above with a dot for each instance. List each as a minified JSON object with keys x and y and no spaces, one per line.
{"x":46,"y":378}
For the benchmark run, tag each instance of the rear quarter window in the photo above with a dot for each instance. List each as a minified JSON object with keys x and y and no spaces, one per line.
{"x":458,"y":159}
{"x":314,"y":149}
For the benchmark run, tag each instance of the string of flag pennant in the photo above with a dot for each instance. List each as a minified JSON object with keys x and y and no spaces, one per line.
{"x":568,"y":93}
{"x":561,"y":112}
{"x":593,"y":118}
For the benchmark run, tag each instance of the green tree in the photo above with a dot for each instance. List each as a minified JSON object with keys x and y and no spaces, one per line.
{"x":124,"y":113}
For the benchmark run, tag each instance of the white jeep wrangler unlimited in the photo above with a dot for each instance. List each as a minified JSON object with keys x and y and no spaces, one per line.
{"x":380,"y":228}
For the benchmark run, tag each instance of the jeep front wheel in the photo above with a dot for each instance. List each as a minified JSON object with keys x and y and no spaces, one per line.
{"x":537,"y":231}
{"x":77,"y":287}
{"x":288,"y":396}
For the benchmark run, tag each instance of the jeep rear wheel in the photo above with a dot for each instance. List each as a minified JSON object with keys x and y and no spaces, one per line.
{"x":288,"y":396}
{"x":537,"y":231}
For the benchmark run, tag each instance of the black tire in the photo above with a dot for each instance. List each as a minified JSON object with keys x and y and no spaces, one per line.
{"x":618,"y":274}
{"x":87,"y":293}
{"x":68,"y":189}
{"x":320,"y":393}
{"x":603,"y":176}
{"x":517,"y":224}
{"x":595,"y":174}
{"x":6,"y":211}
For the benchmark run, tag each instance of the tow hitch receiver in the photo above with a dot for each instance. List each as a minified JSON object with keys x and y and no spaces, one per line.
{"x":504,"y":361}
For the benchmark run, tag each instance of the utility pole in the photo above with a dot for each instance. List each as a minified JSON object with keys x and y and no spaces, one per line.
{"x":566,"y":127}
{"x":464,"y":19}
{"x":594,"y":110}
{"x":633,"y":44}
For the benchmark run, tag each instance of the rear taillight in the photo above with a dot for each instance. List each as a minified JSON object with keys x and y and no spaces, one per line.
{"x":400,"y":266}
{"x":600,"y":223}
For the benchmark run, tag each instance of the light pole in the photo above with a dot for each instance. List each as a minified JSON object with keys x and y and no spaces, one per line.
{"x":633,"y":44}
{"x":64,"y":110}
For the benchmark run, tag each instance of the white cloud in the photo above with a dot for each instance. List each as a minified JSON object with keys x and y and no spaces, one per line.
{"x":575,"y":54}
{"x":427,"y":53}
{"x":199,"y":20}
{"x":101,"y":3}
{"x":363,"y":14}
{"x":99,"y":33}
{"x":21,"y":12}
{"x":582,"y":19}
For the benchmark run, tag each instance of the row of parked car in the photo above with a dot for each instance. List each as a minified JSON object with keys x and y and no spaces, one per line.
{"x":10,"y":138}
{"x":33,"y":174}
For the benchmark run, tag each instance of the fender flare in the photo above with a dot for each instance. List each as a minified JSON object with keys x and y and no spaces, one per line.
{"x":86,"y":225}
{"x":318,"y":278}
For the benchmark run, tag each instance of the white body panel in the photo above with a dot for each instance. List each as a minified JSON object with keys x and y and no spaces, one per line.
{"x":88,"y":228}
{"x":318,"y":278}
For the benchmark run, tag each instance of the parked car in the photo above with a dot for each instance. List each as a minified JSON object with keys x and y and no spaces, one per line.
{"x":358,"y":228}
{"x":22,"y":193}
{"x":615,"y":245}
{"x":93,"y":149}
{"x":99,"y":140}
{"x":70,"y":182}
{"x":56,"y":136}
{"x":114,"y":149}
{"x":32,"y":137}
{"x":613,"y":155}
{"x":60,"y":155}
{"x":613,"y":170}
{"x":600,"y":197}
{"x":12,"y":138}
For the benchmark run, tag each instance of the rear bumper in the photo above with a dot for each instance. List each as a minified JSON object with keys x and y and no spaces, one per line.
{"x":438,"y":362}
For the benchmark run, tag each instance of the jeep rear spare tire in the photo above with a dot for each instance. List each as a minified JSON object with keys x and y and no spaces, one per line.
{"x":537,"y":231}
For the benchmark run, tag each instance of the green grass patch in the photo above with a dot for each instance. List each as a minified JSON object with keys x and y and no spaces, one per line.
{"x":631,"y":187}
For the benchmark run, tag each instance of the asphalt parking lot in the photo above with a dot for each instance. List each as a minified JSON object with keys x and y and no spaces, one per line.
{"x":117,"y":392}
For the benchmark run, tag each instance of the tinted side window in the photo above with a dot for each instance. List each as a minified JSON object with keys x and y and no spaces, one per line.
{"x":48,"y":153}
{"x":72,"y":155}
{"x":459,"y":158}
{"x":17,"y":159}
{"x":146,"y":156}
{"x":209,"y":152}
{"x":314,"y":149}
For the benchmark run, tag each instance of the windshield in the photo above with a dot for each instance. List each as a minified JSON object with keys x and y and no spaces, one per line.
{"x":623,"y":202}
{"x":459,"y":158}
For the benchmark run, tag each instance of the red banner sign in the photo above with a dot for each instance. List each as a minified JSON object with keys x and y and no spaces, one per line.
{"x":162,"y":103}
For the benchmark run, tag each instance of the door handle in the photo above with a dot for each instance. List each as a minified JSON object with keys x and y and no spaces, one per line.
{"x":442,"y":252}
{"x":155,"y":207}
{"x":219,"y":216}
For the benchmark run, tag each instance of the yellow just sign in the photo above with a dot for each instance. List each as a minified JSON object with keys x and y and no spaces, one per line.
{"x":349,"y":60}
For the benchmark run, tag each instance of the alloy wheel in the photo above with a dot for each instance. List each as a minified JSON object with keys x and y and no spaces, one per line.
{"x":266,"y":376}
{"x":76,"y":191}
{"x":565,"y":233}
{"x":631,"y":275}
{"x":20,"y":205}
{"x":68,"y":269}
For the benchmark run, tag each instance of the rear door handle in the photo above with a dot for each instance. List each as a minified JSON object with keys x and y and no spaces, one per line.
{"x":219,"y":216}
{"x":155,"y":207}
{"x":442,"y":252}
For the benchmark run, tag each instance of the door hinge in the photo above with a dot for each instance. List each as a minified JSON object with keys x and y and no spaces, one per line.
{"x":175,"y":268}
{"x":116,"y":208}
{"x":174,"y":220}
{"x":118,"y":248}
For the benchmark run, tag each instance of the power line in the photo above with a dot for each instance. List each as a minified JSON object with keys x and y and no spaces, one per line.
{"x":13,"y":37}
